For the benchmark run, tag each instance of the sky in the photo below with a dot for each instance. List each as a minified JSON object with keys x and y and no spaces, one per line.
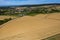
{"x":26,"y":2}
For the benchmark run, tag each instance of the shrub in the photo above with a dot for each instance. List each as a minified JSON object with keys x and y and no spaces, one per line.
{"x":4,"y":21}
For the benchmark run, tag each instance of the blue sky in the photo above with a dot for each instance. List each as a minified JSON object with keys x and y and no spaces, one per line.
{"x":24,"y":2}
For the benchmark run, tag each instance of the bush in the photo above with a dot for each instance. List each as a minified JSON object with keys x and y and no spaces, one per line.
{"x":4,"y":21}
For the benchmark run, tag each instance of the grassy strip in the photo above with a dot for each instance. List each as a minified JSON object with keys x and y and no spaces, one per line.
{"x":55,"y":37}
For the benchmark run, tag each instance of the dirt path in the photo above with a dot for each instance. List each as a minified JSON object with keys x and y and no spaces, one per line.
{"x":31,"y":28}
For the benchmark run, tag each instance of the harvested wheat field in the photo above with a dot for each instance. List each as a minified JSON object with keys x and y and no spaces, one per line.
{"x":5,"y":17}
{"x":31,"y":27}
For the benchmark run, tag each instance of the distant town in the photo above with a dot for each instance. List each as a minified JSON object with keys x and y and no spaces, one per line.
{"x":30,"y":9}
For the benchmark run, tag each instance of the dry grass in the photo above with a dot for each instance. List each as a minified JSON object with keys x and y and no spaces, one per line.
{"x":31,"y":28}
{"x":5,"y":17}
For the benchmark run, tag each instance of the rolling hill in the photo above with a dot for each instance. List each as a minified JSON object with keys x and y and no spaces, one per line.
{"x":31,"y":27}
